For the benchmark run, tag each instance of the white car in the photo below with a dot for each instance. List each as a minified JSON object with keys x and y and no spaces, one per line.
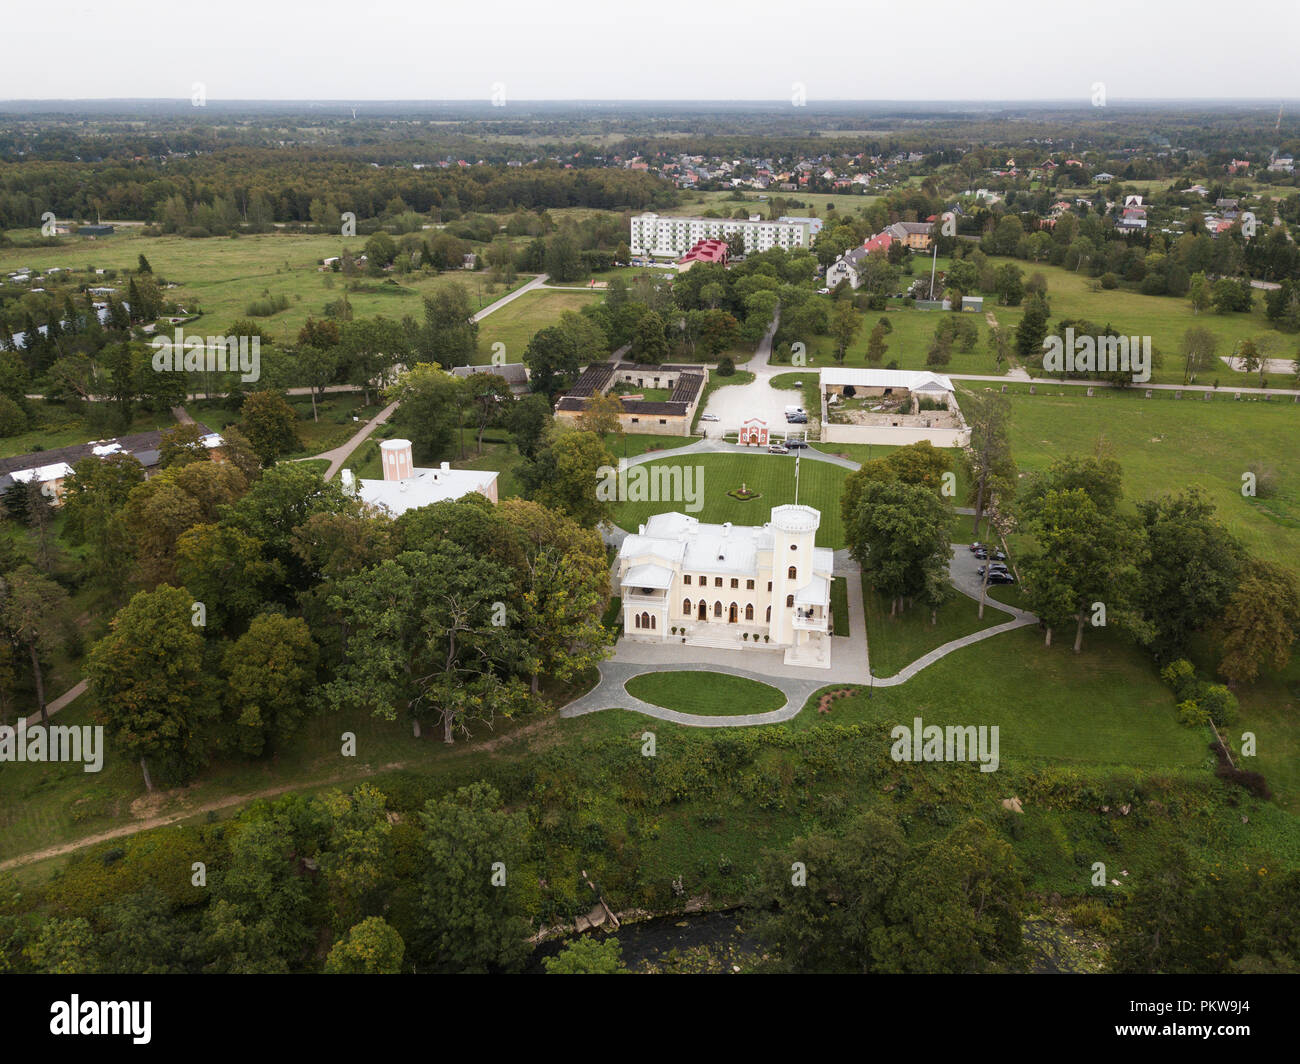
{"x":708,"y":417}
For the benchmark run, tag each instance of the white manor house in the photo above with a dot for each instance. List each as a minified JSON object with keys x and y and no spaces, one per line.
{"x":730,"y":586}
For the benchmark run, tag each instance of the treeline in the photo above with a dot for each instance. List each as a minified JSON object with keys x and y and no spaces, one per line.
{"x":267,"y":186}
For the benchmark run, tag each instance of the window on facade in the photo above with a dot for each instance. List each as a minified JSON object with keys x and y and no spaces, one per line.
{"x":769,"y":585}
{"x":717,"y":609}
{"x":749,"y":585}
{"x":735,"y":583}
{"x":768,"y":618}
{"x":717,"y":581}
{"x":686,"y":607}
{"x":792,"y":573}
{"x":789,"y":600}
{"x":749,"y":611}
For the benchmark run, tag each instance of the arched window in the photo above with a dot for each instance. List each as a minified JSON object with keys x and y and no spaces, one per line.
{"x":652,"y":622}
{"x":769,"y":615}
{"x":749,"y":611}
{"x":686,"y":607}
{"x":792,"y":573}
{"x":789,"y":600}
{"x":636,"y":620}
{"x":733,"y":613}
{"x":717,"y":609}
{"x":645,"y":620}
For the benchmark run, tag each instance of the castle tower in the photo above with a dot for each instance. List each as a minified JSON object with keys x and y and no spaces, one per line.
{"x":395,"y":456}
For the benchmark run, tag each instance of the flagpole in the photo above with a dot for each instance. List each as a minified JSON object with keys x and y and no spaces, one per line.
{"x":796,"y":478}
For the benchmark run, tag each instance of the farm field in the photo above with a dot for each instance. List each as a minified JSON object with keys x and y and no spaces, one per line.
{"x":820,"y":484}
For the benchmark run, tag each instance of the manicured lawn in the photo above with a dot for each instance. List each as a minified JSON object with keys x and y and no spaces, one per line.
{"x":808,"y":382}
{"x":1105,"y":705}
{"x":894,"y":642}
{"x":840,"y":605}
{"x":820,"y":484}
{"x":710,"y":694}
{"x":516,"y":322}
{"x":631,"y":444}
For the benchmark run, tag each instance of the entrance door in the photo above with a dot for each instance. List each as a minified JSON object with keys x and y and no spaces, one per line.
{"x":704,"y":611}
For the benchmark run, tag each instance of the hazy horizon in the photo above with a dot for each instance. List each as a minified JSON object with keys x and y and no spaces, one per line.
{"x":682,"y":51}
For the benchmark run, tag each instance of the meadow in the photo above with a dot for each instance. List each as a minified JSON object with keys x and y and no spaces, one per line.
{"x":1165,"y":445}
{"x":223,"y":276}
{"x":515,"y":323}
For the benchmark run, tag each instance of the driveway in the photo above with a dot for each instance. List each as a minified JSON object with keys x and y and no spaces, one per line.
{"x":735,"y":404}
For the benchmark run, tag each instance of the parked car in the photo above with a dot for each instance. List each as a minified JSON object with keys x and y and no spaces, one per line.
{"x":982,"y":552}
{"x":998,"y":576}
{"x":796,"y":419}
{"x":708,"y":417}
{"x":792,"y":444}
{"x":777,"y":448}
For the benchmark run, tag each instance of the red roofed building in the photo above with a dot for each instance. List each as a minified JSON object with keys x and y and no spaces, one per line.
{"x":879,"y":242}
{"x":706,"y":251}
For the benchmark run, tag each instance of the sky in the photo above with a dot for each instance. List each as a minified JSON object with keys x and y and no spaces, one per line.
{"x":648,"y":50}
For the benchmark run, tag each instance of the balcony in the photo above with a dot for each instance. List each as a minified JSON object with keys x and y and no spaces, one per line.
{"x":813,"y":619}
{"x":645,"y":595}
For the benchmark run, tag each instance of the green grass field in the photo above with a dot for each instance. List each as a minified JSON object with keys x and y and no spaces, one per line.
{"x":1104,"y":706}
{"x":706,"y":694}
{"x":516,"y":322}
{"x":1165,"y":445}
{"x":820,"y":484}
{"x":894,"y":642}
{"x":224,"y":275}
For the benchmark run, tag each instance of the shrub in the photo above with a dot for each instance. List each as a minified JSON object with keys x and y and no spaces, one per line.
{"x":1219,"y":703}
{"x":1181,"y":678}
{"x":726,"y":367}
{"x":12,"y":419}
{"x":1109,"y":281}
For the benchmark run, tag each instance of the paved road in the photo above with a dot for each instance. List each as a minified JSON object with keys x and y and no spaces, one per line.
{"x":339,"y":455}
{"x":536,"y":283}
